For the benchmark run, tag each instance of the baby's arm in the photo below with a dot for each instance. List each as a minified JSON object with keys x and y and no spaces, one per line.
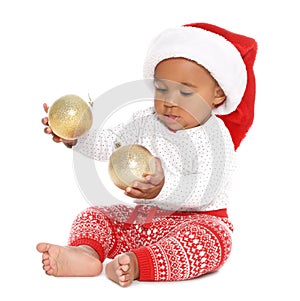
{"x":99,"y":143}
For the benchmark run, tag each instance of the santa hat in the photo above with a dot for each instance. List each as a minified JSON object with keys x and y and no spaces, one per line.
{"x":229,"y":57}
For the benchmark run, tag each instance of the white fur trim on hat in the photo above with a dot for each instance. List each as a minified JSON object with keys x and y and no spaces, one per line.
{"x":220,"y":57}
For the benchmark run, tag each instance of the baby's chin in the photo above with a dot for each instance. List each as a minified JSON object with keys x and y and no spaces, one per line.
{"x":172,"y":126}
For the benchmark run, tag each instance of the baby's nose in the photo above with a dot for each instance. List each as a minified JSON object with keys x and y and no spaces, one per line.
{"x":171,"y":99}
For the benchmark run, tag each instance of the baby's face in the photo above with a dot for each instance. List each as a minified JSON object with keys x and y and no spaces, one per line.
{"x":185,"y":93}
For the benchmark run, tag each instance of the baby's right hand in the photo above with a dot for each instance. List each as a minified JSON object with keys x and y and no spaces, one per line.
{"x":48,"y":130}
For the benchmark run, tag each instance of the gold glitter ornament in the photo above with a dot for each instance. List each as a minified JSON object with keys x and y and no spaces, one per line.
{"x":129,"y":163}
{"x":70,"y":117}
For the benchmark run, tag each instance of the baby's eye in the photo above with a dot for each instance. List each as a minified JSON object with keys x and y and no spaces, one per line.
{"x":160,"y":88}
{"x":186,"y":93}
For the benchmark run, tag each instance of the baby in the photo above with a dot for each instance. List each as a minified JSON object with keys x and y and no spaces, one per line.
{"x":204,"y":91}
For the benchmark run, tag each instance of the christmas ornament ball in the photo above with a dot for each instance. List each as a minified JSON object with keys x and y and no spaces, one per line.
{"x":130,"y":163}
{"x":70,"y":117}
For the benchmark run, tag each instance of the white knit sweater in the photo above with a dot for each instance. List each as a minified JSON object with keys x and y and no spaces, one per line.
{"x":198,"y":163}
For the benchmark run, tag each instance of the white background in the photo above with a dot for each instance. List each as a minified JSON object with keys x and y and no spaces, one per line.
{"x":52,"y":48}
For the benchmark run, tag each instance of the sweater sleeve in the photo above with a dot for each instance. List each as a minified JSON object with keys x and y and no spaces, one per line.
{"x":98,"y":144}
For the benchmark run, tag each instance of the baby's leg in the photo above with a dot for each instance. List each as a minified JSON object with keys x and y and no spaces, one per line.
{"x":198,"y":245}
{"x":123,"y":269}
{"x":69,"y":261}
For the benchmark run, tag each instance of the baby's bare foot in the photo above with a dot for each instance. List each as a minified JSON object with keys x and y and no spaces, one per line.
{"x":123,"y":269}
{"x":69,"y":261}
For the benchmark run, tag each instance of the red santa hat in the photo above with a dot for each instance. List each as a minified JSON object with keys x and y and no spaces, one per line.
{"x":229,"y":57}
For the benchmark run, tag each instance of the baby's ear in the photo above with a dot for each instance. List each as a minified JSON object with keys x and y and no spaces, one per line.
{"x":219,"y":96}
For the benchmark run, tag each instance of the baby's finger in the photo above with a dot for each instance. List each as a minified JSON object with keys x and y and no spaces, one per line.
{"x":156,"y":178}
{"x":134,"y":193}
{"x":69,"y":143}
{"x":142,"y":186}
{"x":158,"y":166}
{"x":57,"y":139}
{"x":47,"y":130}
{"x":153,"y":179}
{"x":46,"y":108}
{"x":45,"y":121}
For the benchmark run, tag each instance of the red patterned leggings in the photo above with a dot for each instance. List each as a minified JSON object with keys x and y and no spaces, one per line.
{"x":171,"y":246}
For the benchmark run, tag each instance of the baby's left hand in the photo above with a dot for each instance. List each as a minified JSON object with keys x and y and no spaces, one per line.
{"x":152,"y":185}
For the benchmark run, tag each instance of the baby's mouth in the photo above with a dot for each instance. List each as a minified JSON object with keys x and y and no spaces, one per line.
{"x":171,"y":118}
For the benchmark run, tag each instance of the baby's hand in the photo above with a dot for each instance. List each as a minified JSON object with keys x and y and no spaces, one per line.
{"x":47,"y":130}
{"x":152,"y":185}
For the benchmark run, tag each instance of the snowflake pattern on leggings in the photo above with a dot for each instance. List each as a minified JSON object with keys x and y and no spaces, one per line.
{"x":172,"y":247}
